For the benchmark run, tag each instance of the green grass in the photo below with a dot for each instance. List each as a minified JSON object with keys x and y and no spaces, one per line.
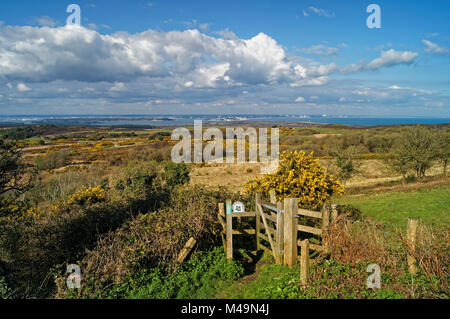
{"x":430,"y":206}
{"x":272,"y":282}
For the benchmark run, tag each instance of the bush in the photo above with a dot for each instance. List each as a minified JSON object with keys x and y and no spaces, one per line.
{"x":415,"y":150}
{"x":139,"y":184}
{"x":353,"y":213}
{"x":34,"y":248}
{"x":52,"y":160}
{"x":13,"y":172}
{"x":299,"y":175}
{"x":176,"y":174}
{"x":87,"y":195}
{"x":154,"y":239}
{"x":195,"y":278}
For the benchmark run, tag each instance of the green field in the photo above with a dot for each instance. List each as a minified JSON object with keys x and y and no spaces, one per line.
{"x":430,"y":206}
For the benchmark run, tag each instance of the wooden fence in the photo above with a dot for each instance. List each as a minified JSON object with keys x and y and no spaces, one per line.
{"x":277,"y":228}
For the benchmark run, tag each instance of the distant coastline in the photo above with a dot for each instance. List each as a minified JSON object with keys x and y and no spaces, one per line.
{"x":139,"y":120}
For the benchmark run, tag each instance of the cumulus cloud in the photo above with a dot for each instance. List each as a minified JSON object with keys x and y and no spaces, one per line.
{"x":435,"y":49}
{"x":45,"y":21}
{"x":76,"y":53}
{"x":387,"y":59}
{"x":188,"y":65}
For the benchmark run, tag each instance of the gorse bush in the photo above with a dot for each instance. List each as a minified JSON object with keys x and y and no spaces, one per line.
{"x":154,"y":239}
{"x":90,"y":195}
{"x":199,"y":277}
{"x":176,"y":174}
{"x":299,"y":175}
{"x":141,"y":185}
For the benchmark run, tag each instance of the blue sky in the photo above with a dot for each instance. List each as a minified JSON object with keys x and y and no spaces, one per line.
{"x":173,"y":57}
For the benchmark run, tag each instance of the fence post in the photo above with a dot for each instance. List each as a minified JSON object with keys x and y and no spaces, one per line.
{"x":411,"y":235}
{"x":290,"y":231}
{"x":304,"y":262}
{"x":229,"y":231}
{"x":279,"y":234}
{"x":222,"y":235}
{"x":273,"y":198}
{"x":325,"y":225}
{"x":334,"y":212}
{"x":258,"y":220}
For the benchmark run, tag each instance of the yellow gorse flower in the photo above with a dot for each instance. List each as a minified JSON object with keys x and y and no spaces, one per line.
{"x":301,"y":176}
{"x":90,"y":194}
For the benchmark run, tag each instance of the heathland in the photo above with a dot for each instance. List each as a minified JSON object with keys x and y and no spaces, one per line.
{"x":111,"y":201}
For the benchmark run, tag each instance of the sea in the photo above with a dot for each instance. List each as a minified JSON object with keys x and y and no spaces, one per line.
{"x":145,"y":120}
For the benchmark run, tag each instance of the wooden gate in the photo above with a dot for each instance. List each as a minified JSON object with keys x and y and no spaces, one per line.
{"x":277,"y":228}
{"x":271,"y":222}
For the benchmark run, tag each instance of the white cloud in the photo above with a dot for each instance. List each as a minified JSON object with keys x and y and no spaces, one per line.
{"x":189,"y":66}
{"x":118,"y":87}
{"x":320,"y":49}
{"x":45,"y":21}
{"x":318,"y":11}
{"x":433,"y":48}
{"x":22,"y":87}
{"x":392,"y":57}
{"x":387,"y":59}
{"x":48,"y":54}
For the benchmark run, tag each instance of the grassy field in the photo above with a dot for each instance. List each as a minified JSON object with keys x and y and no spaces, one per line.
{"x":430,"y":206}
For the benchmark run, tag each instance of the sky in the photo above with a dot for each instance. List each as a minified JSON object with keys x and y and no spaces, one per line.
{"x":225,"y":57}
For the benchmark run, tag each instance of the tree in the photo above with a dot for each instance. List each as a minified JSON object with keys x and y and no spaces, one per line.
{"x":14,"y":176}
{"x":443,"y":152}
{"x":415,"y":150}
{"x":299,"y":175}
{"x":345,"y":167}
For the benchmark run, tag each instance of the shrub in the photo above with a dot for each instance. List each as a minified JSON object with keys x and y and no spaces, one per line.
{"x":415,"y":150}
{"x":353,"y":213}
{"x":155,"y":239}
{"x":13,"y":172}
{"x":87,"y":195}
{"x":176,"y":174}
{"x":299,"y":175}
{"x":139,"y":184}
{"x":195,"y":278}
{"x":34,"y":248}
{"x":53,"y":160}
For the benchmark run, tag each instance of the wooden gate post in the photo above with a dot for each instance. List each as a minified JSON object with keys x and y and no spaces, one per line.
{"x":411,"y":235}
{"x":325,"y":226}
{"x":280,"y":234}
{"x":258,"y":220}
{"x":222,"y":234}
{"x":334,"y":212}
{"x":229,"y":230}
{"x":273,"y":197}
{"x":304,"y":262}
{"x":290,"y":231}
